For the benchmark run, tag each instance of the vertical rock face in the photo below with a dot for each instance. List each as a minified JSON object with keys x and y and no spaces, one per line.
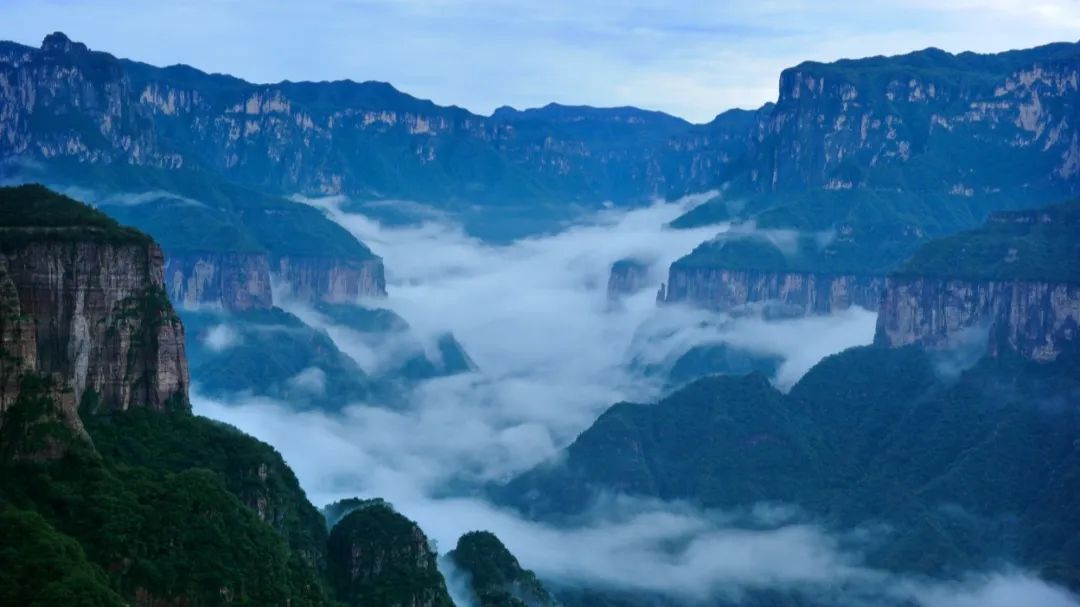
{"x":378,"y":557}
{"x":785,"y":293}
{"x":1015,"y":279}
{"x":628,"y":276}
{"x":1035,"y":319}
{"x":100,"y":319}
{"x":331,"y":280}
{"x":233,"y":281}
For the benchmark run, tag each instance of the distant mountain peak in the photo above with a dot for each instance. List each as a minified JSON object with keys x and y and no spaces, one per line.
{"x":59,"y":42}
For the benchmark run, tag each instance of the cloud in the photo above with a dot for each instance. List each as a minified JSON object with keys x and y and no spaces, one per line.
{"x":221,"y":337}
{"x":311,"y":380}
{"x":551,"y":356}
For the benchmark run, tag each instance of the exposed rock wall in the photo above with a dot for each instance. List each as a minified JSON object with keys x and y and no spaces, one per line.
{"x":331,"y":280}
{"x":785,"y":293}
{"x":628,"y":276}
{"x":233,"y":281}
{"x":1036,"y":319}
{"x":99,"y":318}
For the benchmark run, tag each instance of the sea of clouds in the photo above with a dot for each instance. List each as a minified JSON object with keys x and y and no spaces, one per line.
{"x":552,"y":353}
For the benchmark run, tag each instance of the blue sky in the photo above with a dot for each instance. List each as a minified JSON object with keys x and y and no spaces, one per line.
{"x":692,"y":59}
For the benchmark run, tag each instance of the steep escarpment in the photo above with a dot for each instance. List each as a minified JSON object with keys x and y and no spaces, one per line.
{"x":777,"y":293}
{"x":366,"y":139}
{"x":861,"y":162}
{"x":331,"y":280}
{"x":741,"y":272}
{"x":627,"y":276}
{"x":84,"y":302}
{"x":233,"y":281}
{"x":1013,"y":282}
{"x":124,"y":495}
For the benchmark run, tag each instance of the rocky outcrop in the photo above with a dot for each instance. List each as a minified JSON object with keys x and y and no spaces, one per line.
{"x":1035,"y":319}
{"x":366,"y":139}
{"x":834,"y":125}
{"x":378,"y":557}
{"x":239,"y":282}
{"x":331,"y":280}
{"x":101,"y":320}
{"x":628,"y":276}
{"x":84,"y":318}
{"x":1015,"y":281}
{"x":779,"y":293}
{"x":232,"y":281}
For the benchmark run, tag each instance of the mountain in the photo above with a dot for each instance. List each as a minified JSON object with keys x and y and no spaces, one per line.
{"x":379,"y":557}
{"x":1014,"y":281}
{"x":73,"y":110}
{"x":495,"y":577}
{"x":860,"y":162}
{"x":111,"y":491}
{"x":957,"y":429}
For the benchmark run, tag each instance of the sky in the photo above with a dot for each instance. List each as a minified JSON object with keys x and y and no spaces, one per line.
{"x":691,"y":59}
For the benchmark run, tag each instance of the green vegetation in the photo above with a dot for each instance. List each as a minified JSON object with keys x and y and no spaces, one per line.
{"x":1039,"y":245}
{"x":495,"y":576}
{"x":35,"y":426}
{"x":30,"y":213}
{"x":173,"y":537}
{"x":968,"y":470}
{"x":378,"y":557}
{"x":253,"y":471}
{"x":195,"y":211}
{"x":271,"y":349}
{"x":40,"y":567}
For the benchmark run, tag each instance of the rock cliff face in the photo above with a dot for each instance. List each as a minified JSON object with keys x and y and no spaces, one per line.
{"x":781,"y":293}
{"x":331,"y":280}
{"x":841,"y":125}
{"x":628,"y":276}
{"x":1035,"y":319}
{"x":100,"y":320}
{"x":1017,"y":279}
{"x":233,"y":281}
{"x":364,"y":139}
{"x":84,"y":306}
{"x":239,"y":282}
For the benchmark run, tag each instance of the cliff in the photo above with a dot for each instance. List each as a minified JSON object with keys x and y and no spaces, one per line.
{"x":378,"y":557}
{"x":233,"y":281}
{"x":84,"y":303}
{"x":242,"y":281}
{"x":627,"y":276}
{"x":742,"y":271}
{"x":331,"y":280}
{"x":777,"y":293}
{"x":364,"y":139}
{"x":1015,"y":280}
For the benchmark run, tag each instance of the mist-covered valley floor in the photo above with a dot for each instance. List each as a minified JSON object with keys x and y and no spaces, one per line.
{"x":550,"y":354}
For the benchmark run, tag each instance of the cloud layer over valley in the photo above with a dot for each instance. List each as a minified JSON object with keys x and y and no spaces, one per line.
{"x":551,"y":354}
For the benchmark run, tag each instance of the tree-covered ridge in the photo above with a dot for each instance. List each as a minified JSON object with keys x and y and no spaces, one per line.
{"x":494,"y":575}
{"x":1037,"y":245}
{"x":970,"y":470}
{"x":379,"y":557}
{"x":42,"y":567}
{"x":32,"y":211}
